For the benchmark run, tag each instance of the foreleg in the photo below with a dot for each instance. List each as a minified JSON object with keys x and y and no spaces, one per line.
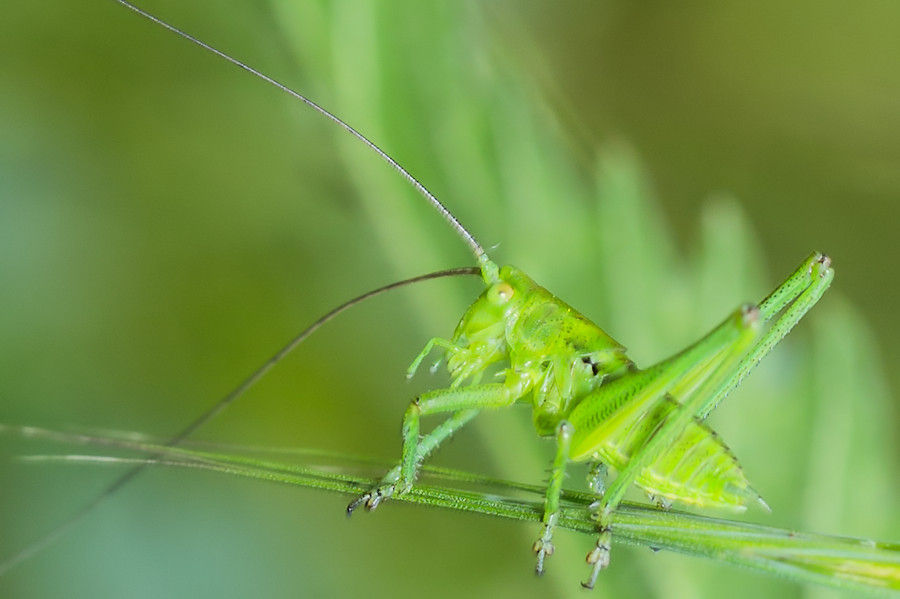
{"x":465,"y":402}
{"x":427,"y":445}
{"x":429,"y":347}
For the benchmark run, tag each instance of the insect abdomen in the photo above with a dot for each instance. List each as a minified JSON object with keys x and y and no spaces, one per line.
{"x":698,"y":469}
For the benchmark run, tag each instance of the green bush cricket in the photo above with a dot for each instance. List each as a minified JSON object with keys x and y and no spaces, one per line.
{"x":645,"y":423}
{"x":592,"y":398}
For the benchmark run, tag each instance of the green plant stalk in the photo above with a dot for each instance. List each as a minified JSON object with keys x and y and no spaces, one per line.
{"x":838,"y":562}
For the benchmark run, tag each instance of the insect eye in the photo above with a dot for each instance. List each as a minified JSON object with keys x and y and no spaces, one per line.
{"x":501,"y":293}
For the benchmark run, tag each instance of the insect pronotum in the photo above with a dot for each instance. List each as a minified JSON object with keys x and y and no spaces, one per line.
{"x":585,"y":392}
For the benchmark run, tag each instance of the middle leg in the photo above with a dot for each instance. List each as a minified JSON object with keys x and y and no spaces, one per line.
{"x":544,"y":545}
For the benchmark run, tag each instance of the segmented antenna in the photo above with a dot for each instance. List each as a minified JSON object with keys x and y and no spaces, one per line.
{"x":448,"y":216}
{"x":214,"y":410}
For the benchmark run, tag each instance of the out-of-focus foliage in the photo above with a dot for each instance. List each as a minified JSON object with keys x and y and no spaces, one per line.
{"x":166,"y":222}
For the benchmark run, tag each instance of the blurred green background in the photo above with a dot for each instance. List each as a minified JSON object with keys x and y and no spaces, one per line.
{"x":166,"y":222}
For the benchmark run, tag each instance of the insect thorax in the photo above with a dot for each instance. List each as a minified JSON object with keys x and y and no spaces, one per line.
{"x":559,"y":353}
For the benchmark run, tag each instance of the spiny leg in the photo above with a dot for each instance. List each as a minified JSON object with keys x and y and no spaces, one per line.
{"x":544,"y":545}
{"x":689,"y":369}
{"x":427,"y":445}
{"x":795,"y":296}
{"x":461,"y":400}
{"x":430,"y":441}
{"x":495,"y":395}
{"x":799,"y":293}
{"x":625,"y":401}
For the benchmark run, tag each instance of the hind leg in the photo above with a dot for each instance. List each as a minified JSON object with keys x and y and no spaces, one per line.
{"x":800,"y":292}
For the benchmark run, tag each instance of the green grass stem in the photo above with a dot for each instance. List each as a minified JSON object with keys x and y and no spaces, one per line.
{"x":839,"y":562}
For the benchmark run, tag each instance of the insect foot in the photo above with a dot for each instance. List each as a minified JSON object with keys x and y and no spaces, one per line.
{"x":544,"y":548}
{"x":373,"y":498}
{"x":750,"y":314}
{"x":660,"y":501}
{"x":598,"y":557}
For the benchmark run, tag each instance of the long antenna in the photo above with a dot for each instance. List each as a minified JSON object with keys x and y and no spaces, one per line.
{"x":448,"y":216}
{"x":49,"y":538}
